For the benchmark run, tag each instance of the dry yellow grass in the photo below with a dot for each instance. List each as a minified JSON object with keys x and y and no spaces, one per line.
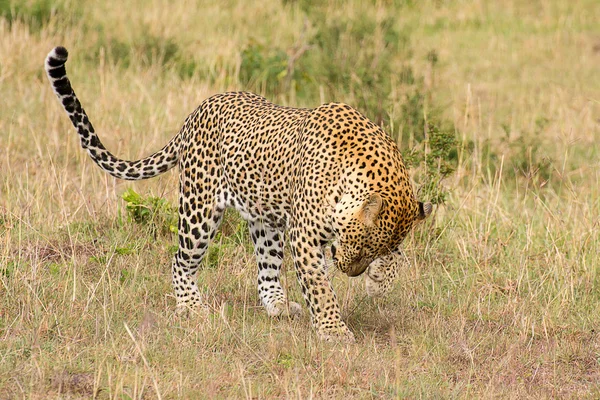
{"x":502,"y":296}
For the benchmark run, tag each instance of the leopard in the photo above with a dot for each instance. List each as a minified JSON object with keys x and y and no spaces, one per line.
{"x":327,"y":178}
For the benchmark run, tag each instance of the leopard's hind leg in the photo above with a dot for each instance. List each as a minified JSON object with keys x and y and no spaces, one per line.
{"x":200,"y":214}
{"x":268,"y":249}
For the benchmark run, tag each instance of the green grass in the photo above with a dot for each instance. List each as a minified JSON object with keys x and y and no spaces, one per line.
{"x":501,"y":299}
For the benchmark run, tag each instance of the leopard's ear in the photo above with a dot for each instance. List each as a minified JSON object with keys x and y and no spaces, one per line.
{"x":370,"y":209}
{"x":424,"y":210}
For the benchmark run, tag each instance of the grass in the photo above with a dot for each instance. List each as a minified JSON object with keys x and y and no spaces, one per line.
{"x":501,"y":297}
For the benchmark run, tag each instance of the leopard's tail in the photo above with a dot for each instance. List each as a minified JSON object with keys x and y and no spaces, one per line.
{"x":148,"y":167}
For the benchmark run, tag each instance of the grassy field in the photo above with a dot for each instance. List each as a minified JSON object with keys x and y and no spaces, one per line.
{"x":501,"y":298}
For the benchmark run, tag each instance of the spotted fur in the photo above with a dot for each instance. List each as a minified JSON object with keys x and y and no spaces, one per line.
{"x":325,"y":175}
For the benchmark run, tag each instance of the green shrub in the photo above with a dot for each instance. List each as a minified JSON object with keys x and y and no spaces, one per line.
{"x":154,"y":212}
{"x":262,"y":67}
{"x":145,"y":50}
{"x":433,"y":159}
{"x":37,"y":13}
{"x":34,"y":13}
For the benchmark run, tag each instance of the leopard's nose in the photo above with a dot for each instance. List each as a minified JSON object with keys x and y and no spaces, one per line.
{"x":358,"y":268}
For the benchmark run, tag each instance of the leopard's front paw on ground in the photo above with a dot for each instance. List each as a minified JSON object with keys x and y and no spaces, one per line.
{"x":381,"y":274}
{"x":289,"y":309}
{"x":375,"y":288}
{"x":339,"y":334}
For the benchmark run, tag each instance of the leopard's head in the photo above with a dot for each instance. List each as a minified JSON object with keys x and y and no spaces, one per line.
{"x":367,"y":230}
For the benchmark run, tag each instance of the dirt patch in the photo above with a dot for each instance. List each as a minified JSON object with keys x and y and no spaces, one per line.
{"x":81,"y":383}
{"x":54,"y":251}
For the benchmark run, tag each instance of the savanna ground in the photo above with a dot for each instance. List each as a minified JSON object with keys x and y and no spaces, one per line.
{"x":496,"y":106}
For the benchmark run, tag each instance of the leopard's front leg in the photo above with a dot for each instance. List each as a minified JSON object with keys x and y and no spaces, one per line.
{"x":317,"y":289}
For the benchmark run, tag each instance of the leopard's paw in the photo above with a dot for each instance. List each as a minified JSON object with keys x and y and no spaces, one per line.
{"x":338,"y":334}
{"x":281,"y":309}
{"x":189,"y":309}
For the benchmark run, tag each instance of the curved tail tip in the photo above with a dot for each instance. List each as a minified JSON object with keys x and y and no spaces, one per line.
{"x":57,"y":56}
{"x":60,"y":52}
